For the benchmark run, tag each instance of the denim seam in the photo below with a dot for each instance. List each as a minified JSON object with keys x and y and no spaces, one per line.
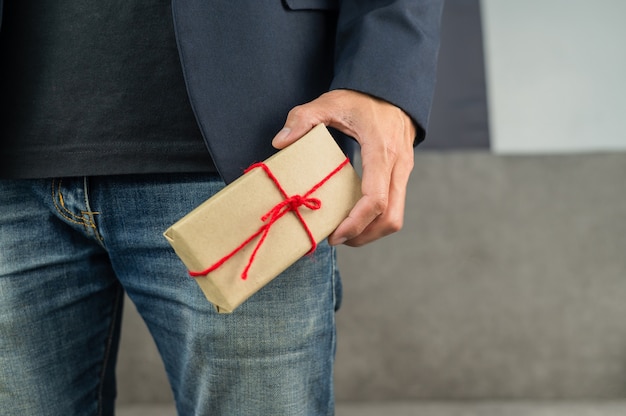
{"x":86,"y":219}
{"x":334,"y":331}
{"x":89,"y":213}
{"x":62,"y":209}
{"x":107,"y":350}
{"x":334,"y":272}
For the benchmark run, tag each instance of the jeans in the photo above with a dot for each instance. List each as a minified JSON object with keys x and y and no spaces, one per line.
{"x":69,"y":250}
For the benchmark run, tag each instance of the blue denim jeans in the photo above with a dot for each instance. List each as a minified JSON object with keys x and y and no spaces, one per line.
{"x":71,"y":247}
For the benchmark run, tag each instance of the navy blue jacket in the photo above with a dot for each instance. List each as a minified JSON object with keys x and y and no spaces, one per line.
{"x":247,"y":63}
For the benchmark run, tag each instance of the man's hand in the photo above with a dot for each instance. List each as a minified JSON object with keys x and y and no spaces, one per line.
{"x":386,"y":135}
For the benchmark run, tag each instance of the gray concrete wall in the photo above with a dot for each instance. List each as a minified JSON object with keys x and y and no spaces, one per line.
{"x":508,"y":281}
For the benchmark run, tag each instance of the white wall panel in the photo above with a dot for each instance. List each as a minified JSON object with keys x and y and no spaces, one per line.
{"x":556,"y":72}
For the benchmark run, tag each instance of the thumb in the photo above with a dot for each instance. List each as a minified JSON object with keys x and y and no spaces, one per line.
{"x":300,"y":120}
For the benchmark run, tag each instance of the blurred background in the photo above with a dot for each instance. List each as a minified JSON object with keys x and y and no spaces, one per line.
{"x":505,"y":293}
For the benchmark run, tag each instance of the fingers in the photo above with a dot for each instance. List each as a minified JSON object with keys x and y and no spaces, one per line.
{"x":362,"y":225}
{"x":299,"y":121}
{"x":375,"y":187}
{"x":341,"y":109}
{"x":385,"y":134}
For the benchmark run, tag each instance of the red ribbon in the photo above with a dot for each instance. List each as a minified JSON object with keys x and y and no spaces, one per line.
{"x":288,"y":204}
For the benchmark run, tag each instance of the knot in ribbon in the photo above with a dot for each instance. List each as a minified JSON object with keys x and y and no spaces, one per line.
{"x":291,"y":204}
{"x":288,"y":204}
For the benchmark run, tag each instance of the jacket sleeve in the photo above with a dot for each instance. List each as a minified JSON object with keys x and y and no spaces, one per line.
{"x":388,"y":49}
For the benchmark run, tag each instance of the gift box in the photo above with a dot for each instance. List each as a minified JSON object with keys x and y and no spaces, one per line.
{"x":247,"y":234}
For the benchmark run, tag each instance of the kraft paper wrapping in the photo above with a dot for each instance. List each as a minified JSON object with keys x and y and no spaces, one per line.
{"x":222,"y":223}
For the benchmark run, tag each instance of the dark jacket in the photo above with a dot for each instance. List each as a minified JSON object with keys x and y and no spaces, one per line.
{"x":247,"y":63}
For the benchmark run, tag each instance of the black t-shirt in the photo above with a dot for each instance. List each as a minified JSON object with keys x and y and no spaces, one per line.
{"x":91,"y":88}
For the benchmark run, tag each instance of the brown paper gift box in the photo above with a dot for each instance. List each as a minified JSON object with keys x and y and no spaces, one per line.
{"x":223,"y":223}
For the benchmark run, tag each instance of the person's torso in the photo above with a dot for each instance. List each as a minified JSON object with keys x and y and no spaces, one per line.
{"x":93,"y":88}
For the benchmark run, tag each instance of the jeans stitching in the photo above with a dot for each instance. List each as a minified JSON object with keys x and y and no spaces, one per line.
{"x":334,"y":324}
{"x":89,"y":213}
{"x":86,"y":220}
{"x":335,"y":272}
{"x":109,"y":346}
{"x":62,"y":210}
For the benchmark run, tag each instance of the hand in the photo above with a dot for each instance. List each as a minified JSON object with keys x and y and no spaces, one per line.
{"x":386,"y":135}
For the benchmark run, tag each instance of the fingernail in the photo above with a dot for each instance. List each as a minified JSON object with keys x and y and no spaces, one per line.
{"x":281,"y":136}
{"x":339,"y":241}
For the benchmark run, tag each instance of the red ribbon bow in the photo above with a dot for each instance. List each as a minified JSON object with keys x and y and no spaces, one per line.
{"x":289,"y":204}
